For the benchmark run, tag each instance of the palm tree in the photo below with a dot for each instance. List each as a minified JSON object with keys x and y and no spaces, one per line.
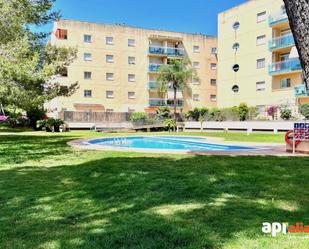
{"x":175,"y":75}
{"x":298,"y":13}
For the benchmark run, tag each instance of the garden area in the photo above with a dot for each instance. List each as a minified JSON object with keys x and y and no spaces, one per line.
{"x":54,"y":196}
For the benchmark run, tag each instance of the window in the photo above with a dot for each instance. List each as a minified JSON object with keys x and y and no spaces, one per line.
{"x":131,"y":77}
{"x":213,"y":98}
{"x":261,"y":16}
{"x":87,"y":75}
{"x":261,"y":40}
{"x":260,"y":86}
{"x":109,"y":110}
{"x":109,"y":76}
{"x":196,"y":49}
{"x":235,"y":88}
{"x":109,"y":94}
{"x":213,"y":82}
{"x":195,"y":81}
{"x":109,"y":40}
{"x":62,"y":34}
{"x":285,"y":83}
{"x":109,"y":58}
{"x":87,"y":57}
{"x":196,"y":97}
{"x":196,"y":64}
{"x":87,"y":38}
{"x":236,"y":46}
{"x":213,"y":50}
{"x":63,"y":72}
{"x":131,"y":95}
{"x":131,"y":60}
{"x":260,"y":63}
{"x":87,"y":93}
{"x":236,"y":25}
{"x":236,"y":68}
{"x":213,"y":66}
{"x":131,"y":43}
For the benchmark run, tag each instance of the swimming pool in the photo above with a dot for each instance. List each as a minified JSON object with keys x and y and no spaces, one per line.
{"x":163,"y":143}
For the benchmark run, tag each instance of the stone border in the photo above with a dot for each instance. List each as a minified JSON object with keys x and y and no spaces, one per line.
{"x":262,"y":149}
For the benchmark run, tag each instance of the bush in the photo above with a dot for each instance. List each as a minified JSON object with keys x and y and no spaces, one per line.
{"x":252,"y":113}
{"x":169,"y":124}
{"x":243,"y":111}
{"x":193,"y":115}
{"x":285,"y":112}
{"x":304,"y":110}
{"x":215,"y":114}
{"x":138,"y":117}
{"x":230,"y":113}
{"x":35,"y":114}
{"x":3,"y":118}
{"x":272,"y":111}
{"x":163,"y":113}
{"x":50,"y":124}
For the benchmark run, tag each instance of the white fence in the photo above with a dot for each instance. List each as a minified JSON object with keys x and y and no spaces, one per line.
{"x":249,"y":126}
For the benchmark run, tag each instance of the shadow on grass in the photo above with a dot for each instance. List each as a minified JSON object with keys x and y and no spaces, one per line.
{"x":145,"y":202}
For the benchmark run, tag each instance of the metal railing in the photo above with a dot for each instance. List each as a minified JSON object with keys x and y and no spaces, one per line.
{"x":154,"y":67}
{"x":277,"y":18}
{"x":300,"y":91}
{"x":281,"y":42}
{"x":167,"y":51}
{"x":285,"y":66}
{"x":165,"y":102}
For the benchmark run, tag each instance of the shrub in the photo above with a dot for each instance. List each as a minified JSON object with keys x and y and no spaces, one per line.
{"x":230,"y":113}
{"x":137,"y":117}
{"x":272,"y":111}
{"x":285,"y":112}
{"x":193,"y":115}
{"x":304,"y":110}
{"x":35,"y":114}
{"x":169,"y":124}
{"x":3,"y":118}
{"x":163,"y":112}
{"x":253,"y":112}
{"x":50,"y":124}
{"x":215,"y":114}
{"x":243,"y":111}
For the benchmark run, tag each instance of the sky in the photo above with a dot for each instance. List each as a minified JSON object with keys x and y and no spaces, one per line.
{"x":198,"y":16}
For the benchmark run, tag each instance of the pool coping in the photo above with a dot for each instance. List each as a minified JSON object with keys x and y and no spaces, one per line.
{"x":262,"y":149}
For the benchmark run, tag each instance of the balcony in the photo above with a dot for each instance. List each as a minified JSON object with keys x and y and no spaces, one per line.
{"x":300,"y":91}
{"x":164,"y":102}
{"x":169,"y":51}
{"x":153,"y":85}
{"x":281,"y":42}
{"x":283,"y":67}
{"x":154,"y":67}
{"x":277,"y":19}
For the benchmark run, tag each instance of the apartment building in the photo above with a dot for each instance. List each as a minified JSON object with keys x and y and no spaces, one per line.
{"x":257,"y":59}
{"x":116,"y":67}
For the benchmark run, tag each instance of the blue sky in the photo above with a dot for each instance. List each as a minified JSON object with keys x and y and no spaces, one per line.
{"x":199,"y":16}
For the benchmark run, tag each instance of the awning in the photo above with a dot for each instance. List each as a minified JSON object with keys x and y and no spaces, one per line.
{"x":293,"y":53}
{"x":170,"y":95}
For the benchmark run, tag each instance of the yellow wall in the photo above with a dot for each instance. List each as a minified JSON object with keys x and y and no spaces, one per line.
{"x":247,"y":56}
{"x":120,"y":49}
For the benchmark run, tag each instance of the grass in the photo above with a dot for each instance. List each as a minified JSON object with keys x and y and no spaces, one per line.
{"x":53,"y":196}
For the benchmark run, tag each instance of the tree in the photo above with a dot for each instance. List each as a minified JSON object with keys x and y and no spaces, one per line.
{"x":175,"y":75}
{"x":304,"y":110}
{"x":29,"y":68}
{"x":298,"y":13}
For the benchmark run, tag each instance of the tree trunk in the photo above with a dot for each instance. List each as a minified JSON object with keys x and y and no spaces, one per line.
{"x":298,"y":13}
{"x":175,"y":104}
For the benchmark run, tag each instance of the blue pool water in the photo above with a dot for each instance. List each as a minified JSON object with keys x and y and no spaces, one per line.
{"x":165,"y":143}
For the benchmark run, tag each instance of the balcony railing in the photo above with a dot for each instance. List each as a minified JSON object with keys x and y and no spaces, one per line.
{"x":169,"y":51}
{"x":300,"y":91}
{"x":277,"y":18}
{"x":154,"y":67}
{"x":285,"y":66}
{"x":164,"y":102}
{"x":153,"y":85}
{"x":281,"y":42}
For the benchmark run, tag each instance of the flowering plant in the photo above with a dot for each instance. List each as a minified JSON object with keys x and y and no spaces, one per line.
{"x":3,"y":118}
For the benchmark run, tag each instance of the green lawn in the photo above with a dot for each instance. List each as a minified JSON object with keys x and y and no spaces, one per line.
{"x":52,"y":196}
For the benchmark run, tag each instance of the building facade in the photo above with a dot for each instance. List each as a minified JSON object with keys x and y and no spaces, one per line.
{"x":257,"y":60}
{"x":116,"y":67}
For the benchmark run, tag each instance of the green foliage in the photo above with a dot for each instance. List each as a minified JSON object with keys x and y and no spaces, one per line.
{"x":216,"y":114}
{"x":197,"y":113}
{"x":163,"y":112}
{"x":243,"y":111}
{"x":50,"y":124}
{"x":304,"y":110}
{"x":169,"y":124}
{"x":285,"y":112}
{"x":138,"y":116}
{"x":253,"y":112}
{"x":230,"y":113}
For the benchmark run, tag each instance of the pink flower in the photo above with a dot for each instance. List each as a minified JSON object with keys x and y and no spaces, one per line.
{"x":3,"y":118}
